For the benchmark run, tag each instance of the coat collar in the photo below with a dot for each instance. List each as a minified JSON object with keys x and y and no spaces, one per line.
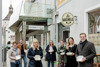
{"x":83,"y":45}
{"x":83,"y":42}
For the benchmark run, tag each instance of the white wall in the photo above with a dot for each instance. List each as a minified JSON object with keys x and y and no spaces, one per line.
{"x":77,"y":8}
{"x":7,"y":29}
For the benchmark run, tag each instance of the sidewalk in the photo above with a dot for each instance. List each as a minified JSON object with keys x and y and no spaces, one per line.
{"x":4,"y":64}
{"x":45,"y":63}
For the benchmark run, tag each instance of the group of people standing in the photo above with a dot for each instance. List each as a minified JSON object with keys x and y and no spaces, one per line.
{"x":67,"y":54}
{"x":17,"y":53}
{"x":64,"y":60}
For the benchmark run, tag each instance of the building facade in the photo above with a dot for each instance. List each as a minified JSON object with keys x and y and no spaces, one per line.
{"x":43,"y":20}
{"x":34,"y":19}
{"x":86,"y":15}
{"x":7,"y":35}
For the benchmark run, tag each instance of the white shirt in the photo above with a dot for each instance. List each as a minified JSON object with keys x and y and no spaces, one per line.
{"x":50,"y":48}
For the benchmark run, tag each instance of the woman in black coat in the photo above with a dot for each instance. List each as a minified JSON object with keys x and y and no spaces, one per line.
{"x":33,"y":52}
{"x":71,"y":47}
{"x":51,"y":53}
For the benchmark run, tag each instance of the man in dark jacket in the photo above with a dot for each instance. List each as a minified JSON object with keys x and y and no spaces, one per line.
{"x":87,"y":50}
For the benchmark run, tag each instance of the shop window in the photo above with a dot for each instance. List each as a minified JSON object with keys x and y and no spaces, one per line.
{"x":94,"y":23}
{"x":94,"y":27}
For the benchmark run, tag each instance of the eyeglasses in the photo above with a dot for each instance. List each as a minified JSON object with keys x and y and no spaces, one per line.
{"x":14,"y":45}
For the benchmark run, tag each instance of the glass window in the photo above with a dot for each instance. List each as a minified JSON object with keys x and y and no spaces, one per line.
{"x":94,"y":27}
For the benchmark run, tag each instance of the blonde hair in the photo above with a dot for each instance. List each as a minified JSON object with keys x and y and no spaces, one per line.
{"x":35,"y":40}
{"x":68,"y":43}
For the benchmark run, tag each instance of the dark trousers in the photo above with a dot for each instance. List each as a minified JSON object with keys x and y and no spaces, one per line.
{"x":38,"y":64}
{"x":14,"y":65}
{"x":52,"y":63}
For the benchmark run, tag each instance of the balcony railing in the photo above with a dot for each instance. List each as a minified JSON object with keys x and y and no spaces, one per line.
{"x":31,"y":10}
{"x":36,"y":10}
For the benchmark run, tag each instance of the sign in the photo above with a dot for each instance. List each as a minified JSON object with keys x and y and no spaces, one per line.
{"x":34,"y":27}
{"x":59,"y":2}
{"x":67,"y":19}
{"x":12,"y":37}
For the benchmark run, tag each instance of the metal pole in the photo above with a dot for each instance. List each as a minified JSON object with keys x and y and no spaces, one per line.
{"x":55,"y":22}
{"x":4,"y":44}
{"x":3,"y":48}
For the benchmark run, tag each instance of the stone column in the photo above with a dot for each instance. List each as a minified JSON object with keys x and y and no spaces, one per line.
{"x":16,"y":36}
{"x":24,"y":32}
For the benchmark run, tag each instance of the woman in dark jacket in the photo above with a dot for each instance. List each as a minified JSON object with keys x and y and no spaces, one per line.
{"x":61,"y":54}
{"x":34,"y":51}
{"x":70,"y":53}
{"x":51,"y":53}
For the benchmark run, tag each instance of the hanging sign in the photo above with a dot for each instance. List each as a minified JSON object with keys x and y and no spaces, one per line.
{"x":67,"y":19}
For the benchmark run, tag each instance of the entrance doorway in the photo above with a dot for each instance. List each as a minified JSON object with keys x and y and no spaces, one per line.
{"x":65,"y":35}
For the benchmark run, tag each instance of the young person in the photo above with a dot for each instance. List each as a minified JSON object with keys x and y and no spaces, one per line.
{"x":51,"y":53}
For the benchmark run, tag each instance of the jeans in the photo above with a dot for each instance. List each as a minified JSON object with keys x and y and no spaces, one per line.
{"x":52,"y":63}
{"x":14,"y":65}
{"x":25,"y":61}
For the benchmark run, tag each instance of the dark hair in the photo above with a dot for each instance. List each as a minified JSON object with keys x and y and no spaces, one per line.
{"x":62,"y":40}
{"x":52,"y":42}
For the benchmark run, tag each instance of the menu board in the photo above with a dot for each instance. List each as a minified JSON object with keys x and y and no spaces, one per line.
{"x":94,"y":38}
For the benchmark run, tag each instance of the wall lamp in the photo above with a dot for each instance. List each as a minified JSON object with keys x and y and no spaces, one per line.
{"x":75,"y":19}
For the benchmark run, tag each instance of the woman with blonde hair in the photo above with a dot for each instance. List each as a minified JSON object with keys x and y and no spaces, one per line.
{"x":35,"y":55}
{"x":70,"y":53}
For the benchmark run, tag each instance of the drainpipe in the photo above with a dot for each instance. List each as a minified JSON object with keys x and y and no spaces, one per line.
{"x":55,"y":22}
{"x":4,"y":46}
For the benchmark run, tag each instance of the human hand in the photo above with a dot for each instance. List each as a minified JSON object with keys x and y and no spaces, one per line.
{"x":66,"y":54}
{"x":34,"y":58}
{"x":52,"y":50}
{"x":73,"y":54}
{"x":84,"y":59}
{"x":70,"y":54}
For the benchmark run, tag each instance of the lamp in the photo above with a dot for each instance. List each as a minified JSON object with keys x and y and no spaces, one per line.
{"x":75,"y":19}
